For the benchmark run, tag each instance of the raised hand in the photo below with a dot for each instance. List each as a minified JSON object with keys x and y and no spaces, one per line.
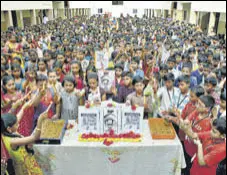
{"x":43,"y":89}
{"x":44,"y":115}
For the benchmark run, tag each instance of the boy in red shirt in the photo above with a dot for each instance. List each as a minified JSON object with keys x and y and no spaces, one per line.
{"x":211,"y":147}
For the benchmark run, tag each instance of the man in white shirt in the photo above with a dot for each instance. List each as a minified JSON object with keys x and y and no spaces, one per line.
{"x":45,"y":19}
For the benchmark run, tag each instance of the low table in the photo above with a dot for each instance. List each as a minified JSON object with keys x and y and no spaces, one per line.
{"x":149,"y":157}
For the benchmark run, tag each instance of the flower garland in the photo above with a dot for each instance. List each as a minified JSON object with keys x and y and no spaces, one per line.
{"x":110,"y":138}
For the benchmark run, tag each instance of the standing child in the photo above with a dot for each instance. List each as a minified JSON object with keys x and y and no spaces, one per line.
{"x":183,"y":98}
{"x":17,"y":146}
{"x":121,"y":94}
{"x":163,"y":72}
{"x":186,"y":70}
{"x":69,"y":99}
{"x":134,"y":67}
{"x":210,"y":85}
{"x":221,"y":109}
{"x":211,"y":148}
{"x":118,"y":75}
{"x":137,"y":98}
{"x":167,"y":93}
{"x":77,"y":73}
{"x":18,"y":77}
{"x":94,"y":94}
{"x":42,"y":67}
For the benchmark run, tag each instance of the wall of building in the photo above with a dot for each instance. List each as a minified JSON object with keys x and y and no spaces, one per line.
{"x":25,"y":5}
{"x":222,"y":24}
{"x":209,"y":6}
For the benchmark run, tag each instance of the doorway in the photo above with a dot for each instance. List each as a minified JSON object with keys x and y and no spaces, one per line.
{"x":14,"y":17}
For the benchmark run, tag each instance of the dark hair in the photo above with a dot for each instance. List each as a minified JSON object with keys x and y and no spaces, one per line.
{"x":198,"y":91}
{"x":169,"y":77}
{"x":164,"y":67}
{"x":17,"y":59}
{"x":79,"y":64}
{"x":137,"y":79}
{"x":50,"y":71}
{"x":149,"y":57}
{"x":8,"y":120}
{"x":184,"y":78}
{"x":191,"y":50}
{"x":223,"y":71}
{"x":70,"y":79}
{"x":3,"y":68}
{"x":41,"y":77}
{"x":187,"y":65}
{"x":127,"y":74}
{"x":57,"y":64}
{"x":119,"y":66}
{"x":217,"y":57}
{"x":202,"y":59}
{"x":185,"y":56}
{"x":5,"y":80}
{"x":17,"y":66}
{"x":211,"y":80}
{"x":92,"y":75}
{"x":208,"y":100}
{"x":136,"y":59}
{"x":171,"y":59}
{"x":220,"y":125}
{"x":223,"y":96}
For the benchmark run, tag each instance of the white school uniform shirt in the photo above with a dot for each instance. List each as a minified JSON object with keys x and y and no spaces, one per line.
{"x":181,"y":101}
{"x":167,"y":99}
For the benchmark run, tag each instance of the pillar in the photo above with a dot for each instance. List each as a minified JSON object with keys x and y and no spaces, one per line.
{"x":222,"y":24}
{"x":9,"y":19}
{"x":155,"y":13}
{"x":180,"y":15}
{"x":50,"y":14}
{"x":212,"y":22}
{"x":21,"y":19}
{"x":193,"y":17}
{"x":33,"y":17}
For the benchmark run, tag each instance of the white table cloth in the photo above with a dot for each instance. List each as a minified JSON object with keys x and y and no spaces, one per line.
{"x":149,"y":157}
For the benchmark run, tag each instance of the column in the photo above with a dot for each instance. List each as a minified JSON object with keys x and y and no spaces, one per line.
{"x":33,"y":17}
{"x":193,"y":17}
{"x":21,"y":19}
{"x":8,"y":19}
{"x":50,"y":14}
{"x":155,"y":13}
{"x":180,"y":15}
{"x":212,"y":22}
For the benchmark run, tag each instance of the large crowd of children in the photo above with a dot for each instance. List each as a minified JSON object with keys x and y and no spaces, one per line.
{"x":171,"y":68}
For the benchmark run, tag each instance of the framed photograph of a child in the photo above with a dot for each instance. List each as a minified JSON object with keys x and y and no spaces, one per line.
{"x":132,"y":120}
{"x":106,"y":80}
{"x":102,"y":60}
{"x":89,"y":120}
{"x":110,"y":120}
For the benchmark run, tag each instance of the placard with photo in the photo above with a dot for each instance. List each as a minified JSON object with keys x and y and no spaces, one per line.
{"x":132,"y":120}
{"x":106,"y":80}
{"x":110,"y":120}
{"x":89,"y":120}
